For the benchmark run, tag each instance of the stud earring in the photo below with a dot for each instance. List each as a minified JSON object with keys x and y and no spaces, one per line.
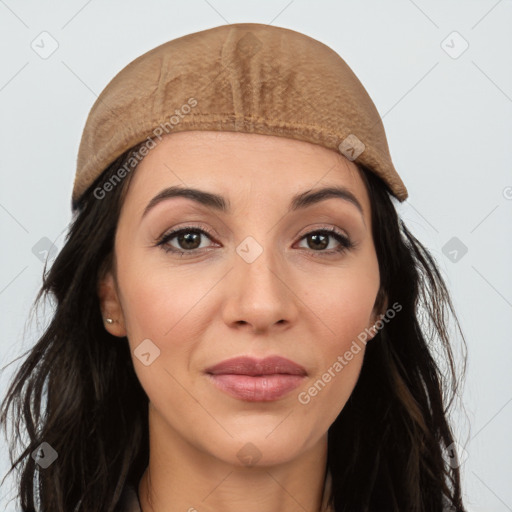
{"x":109,"y":320}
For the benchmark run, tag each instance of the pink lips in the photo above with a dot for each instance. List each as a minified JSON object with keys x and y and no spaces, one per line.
{"x":257,"y":380}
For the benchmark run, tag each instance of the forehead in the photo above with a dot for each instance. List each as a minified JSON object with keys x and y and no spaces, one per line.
{"x":241,"y":167}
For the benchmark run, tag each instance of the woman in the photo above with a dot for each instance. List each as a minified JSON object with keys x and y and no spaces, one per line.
{"x":242,"y":321}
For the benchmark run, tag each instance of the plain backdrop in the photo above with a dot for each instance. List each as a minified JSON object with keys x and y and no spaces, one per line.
{"x":440,"y":75}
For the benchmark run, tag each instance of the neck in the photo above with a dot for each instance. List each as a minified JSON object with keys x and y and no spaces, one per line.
{"x":180,"y":476}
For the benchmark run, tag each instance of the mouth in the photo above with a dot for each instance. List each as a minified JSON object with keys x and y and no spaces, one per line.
{"x":257,"y":380}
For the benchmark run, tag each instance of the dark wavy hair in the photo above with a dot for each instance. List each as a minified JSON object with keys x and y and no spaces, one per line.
{"x":77,"y":389}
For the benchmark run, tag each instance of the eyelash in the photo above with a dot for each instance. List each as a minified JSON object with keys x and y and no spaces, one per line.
{"x":345,"y":243}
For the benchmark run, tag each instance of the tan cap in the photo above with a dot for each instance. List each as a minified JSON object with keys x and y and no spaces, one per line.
{"x":244,"y":77}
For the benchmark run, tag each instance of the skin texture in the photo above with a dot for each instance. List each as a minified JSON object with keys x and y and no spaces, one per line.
{"x":210,"y":304}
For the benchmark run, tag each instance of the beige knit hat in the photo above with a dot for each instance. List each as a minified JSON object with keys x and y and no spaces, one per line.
{"x":244,"y":77}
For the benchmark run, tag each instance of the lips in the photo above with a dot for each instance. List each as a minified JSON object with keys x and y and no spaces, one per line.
{"x":251,"y":379}
{"x":252,"y":366}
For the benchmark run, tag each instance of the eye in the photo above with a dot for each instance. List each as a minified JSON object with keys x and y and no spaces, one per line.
{"x":188,"y":240}
{"x":319,"y":240}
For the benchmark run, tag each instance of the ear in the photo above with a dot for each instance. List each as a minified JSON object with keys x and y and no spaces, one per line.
{"x":379,"y":309}
{"x":110,"y":305}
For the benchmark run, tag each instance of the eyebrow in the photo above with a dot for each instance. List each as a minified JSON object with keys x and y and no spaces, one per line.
{"x":218,"y":203}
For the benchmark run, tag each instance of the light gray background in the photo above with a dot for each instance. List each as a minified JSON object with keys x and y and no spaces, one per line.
{"x":448,"y":122}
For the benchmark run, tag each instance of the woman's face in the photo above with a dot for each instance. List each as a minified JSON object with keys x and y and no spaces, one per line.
{"x":261,"y":280}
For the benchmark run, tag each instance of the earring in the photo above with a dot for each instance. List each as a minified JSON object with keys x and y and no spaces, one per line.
{"x":109,"y":320}
{"x":373,"y":329}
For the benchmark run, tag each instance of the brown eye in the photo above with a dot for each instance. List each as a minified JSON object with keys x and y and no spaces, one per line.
{"x":318,"y":241}
{"x":187,"y":240}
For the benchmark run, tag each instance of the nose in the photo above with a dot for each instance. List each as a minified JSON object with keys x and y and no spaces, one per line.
{"x":259,"y":295}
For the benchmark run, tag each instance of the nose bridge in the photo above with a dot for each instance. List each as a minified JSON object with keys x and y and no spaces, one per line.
{"x":259,"y":296}
{"x":256,"y":266}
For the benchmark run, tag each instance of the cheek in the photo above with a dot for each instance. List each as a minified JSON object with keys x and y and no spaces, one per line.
{"x":343,"y":308}
{"x":158,"y":303}
{"x":343,"y":303}
{"x":164,"y":306}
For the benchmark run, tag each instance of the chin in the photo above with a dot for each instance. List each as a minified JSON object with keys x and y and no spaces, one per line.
{"x":255,"y":447}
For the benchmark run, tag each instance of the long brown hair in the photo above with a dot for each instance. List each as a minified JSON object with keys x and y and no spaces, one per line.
{"x":77,"y":389}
